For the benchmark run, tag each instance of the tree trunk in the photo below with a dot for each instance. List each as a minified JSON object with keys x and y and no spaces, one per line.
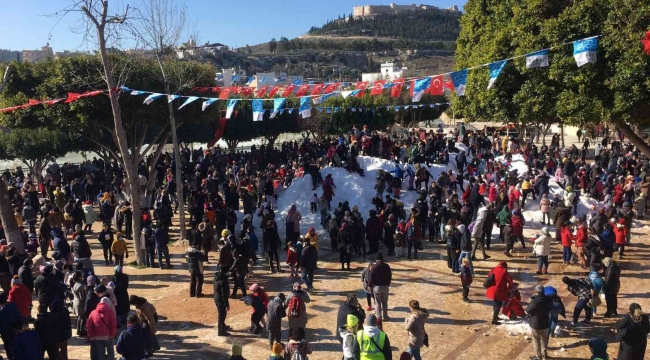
{"x":544,"y":132}
{"x":271,"y":140}
{"x":635,"y":139}
{"x":177,"y":160}
{"x":232,"y":145}
{"x":120,"y":135}
{"x":12,"y":233}
{"x":562,"y":134}
{"x":151,"y":167}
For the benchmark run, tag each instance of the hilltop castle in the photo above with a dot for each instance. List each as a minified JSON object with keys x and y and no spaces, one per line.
{"x":371,"y":10}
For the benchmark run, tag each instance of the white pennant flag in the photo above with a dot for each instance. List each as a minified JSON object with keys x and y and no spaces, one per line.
{"x":188,"y":100}
{"x":151,"y":98}
{"x":171,"y":98}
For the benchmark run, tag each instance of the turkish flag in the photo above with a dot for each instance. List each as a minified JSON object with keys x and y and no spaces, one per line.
{"x":331,"y":88}
{"x":411,"y":87}
{"x":646,"y":43}
{"x":361,"y":85}
{"x":246,"y":91}
{"x":317,"y":90}
{"x":273,"y":91}
{"x":302,"y":90}
{"x":377,"y":87}
{"x":396,"y":90}
{"x":261,"y":91}
{"x":437,"y":86}
{"x":288,"y":90}
{"x":225,"y":93}
{"x":449,"y":84}
{"x":218,"y":133}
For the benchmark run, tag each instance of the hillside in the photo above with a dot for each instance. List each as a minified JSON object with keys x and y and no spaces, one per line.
{"x":423,"y":25}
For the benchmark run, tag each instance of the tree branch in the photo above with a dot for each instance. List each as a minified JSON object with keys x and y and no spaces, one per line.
{"x":5,"y":78}
{"x":153,"y":142}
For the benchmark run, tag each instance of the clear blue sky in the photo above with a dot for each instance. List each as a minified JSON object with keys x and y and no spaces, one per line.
{"x":25,"y":24}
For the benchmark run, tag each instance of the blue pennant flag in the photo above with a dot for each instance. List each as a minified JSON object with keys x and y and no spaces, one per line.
{"x":537,"y":59}
{"x":188,"y":100}
{"x":171,"y":98}
{"x":290,"y":110}
{"x":151,"y":98}
{"x":282,"y":111}
{"x":584,"y":51}
{"x":432,"y":105}
{"x":124,"y":88}
{"x":258,"y":109}
{"x":208,"y":103}
{"x":321,"y":99}
{"x":495,"y":69}
{"x":305,"y":106}
{"x":354,"y":109}
{"x":297,"y":81}
{"x":420,"y":87}
{"x":138,"y":92}
{"x":459,"y":78}
{"x":230,"y":107}
{"x":396,"y":108}
{"x":328,"y":110}
{"x":406,"y":107}
{"x":278,"y":103}
{"x":336,"y":109}
{"x":320,"y":109}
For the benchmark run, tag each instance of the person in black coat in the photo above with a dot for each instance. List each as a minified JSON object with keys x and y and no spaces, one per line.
{"x":121,"y":293}
{"x":195,"y":259}
{"x":351,"y":306}
{"x":25,"y":274}
{"x":308,"y":262}
{"x":46,"y":327}
{"x":611,"y":285}
{"x":93,"y":297}
{"x":134,"y":340}
{"x":539,"y":310}
{"x":271,"y":241}
{"x":633,"y":330}
{"x":221,"y":295}
{"x":345,"y":245}
{"x":61,"y":316}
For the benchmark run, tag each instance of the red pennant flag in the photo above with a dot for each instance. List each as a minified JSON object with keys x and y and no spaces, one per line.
{"x":33,"y":102}
{"x":317,"y":90}
{"x":361,"y":85}
{"x":225,"y":93}
{"x":411,"y":87}
{"x":72,"y":97}
{"x":331,"y":88}
{"x":10,"y":109}
{"x":54,"y":101}
{"x":273,"y":91}
{"x":449,"y":84}
{"x":302,"y":90}
{"x":288,"y":90}
{"x":378,"y":87}
{"x":215,"y":89}
{"x":437,"y":86}
{"x":646,"y":43}
{"x":261,"y":91}
{"x":246,"y":91}
{"x":396,"y":91}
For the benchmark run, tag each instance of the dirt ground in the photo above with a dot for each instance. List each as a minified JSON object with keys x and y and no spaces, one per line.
{"x":456,"y":329}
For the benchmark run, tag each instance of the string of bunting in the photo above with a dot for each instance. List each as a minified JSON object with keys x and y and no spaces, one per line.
{"x":584,"y":52}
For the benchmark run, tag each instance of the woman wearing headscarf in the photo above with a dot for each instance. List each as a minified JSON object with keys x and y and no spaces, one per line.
{"x":611,"y":285}
{"x":293,"y":225}
{"x":633,"y":329}
{"x":498,"y":288}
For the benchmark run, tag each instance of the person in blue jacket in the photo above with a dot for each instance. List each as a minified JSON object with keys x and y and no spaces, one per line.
{"x":558,"y":309}
{"x":397,"y":172}
{"x":8,"y":315}
{"x":27,"y":344}
{"x":134,"y":340}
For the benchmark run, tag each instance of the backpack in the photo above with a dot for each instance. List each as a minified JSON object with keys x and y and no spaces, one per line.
{"x":294,"y":307}
{"x":411,"y":233}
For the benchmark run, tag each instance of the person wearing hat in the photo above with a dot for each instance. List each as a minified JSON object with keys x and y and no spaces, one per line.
{"x":498,"y":289}
{"x":632,"y":332}
{"x":348,"y":333}
{"x":21,"y":296}
{"x":236,"y":352}
{"x":46,"y":285}
{"x":121,"y":291}
{"x":598,"y":348}
{"x":276,"y":351}
{"x":380,"y":279}
{"x":611,"y":285}
{"x":542,"y":249}
{"x":195,"y":259}
{"x":297,"y":307}
{"x":102,"y":328}
{"x":120,"y":249}
{"x":298,"y":346}
{"x":539,"y":310}
{"x":351,"y":306}
{"x":9,"y":313}
{"x":372,"y":343}
{"x":276,"y":311}
{"x":134,"y":340}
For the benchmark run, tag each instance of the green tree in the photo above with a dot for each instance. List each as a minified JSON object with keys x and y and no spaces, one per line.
{"x":273,"y":45}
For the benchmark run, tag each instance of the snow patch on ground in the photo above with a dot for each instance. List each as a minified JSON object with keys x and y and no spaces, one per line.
{"x":521,"y":327}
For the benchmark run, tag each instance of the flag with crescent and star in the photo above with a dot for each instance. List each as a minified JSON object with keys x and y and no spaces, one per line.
{"x":377,"y":87}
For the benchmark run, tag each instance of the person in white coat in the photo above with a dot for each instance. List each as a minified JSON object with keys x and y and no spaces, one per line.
{"x":541,"y":249}
{"x":89,"y":216}
{"x":477,"y":232}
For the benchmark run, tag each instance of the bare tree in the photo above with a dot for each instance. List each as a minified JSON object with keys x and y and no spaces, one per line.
{"x":12,"y":233}
{"x":161,"y":26}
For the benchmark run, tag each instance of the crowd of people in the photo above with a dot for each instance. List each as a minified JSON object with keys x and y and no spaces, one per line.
{"x":226,"y":193}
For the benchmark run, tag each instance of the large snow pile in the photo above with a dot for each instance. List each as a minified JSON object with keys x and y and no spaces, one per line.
{"x":520,"y":327}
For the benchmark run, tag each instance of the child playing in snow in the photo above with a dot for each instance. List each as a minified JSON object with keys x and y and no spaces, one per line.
{"x":313,"y":203}
{"x":512,"y":307}
{"x":465,"y":278}
{"x":292,"y":259}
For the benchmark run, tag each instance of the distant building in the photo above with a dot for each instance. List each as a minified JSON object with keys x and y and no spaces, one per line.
{"x":271,"y":79}
{"x":67,"y":53}
{"x":38,"y":55}
{"x":392,"y":8}
{"x":388,"y":72}
{"x":191,"y":50}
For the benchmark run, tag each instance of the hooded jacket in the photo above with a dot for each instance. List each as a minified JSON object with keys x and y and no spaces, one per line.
{"x":542,"y":245}
{"x":20,"y":295}
{"x":194,"y":259}
{"x":477,"y":231}
{"x":80,"y":247}
{"x":539,"y":308}
{"x":341,"y":319}
{"x":102,"y":324}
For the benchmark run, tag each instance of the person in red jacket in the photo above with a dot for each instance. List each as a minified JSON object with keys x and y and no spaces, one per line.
{"x":498,"y":289}
{"x":20,"y":295}
{"x":567,"y":239}
{"x":620,"y":233}
{"x":518,"y":227}
{"x":581,"y":241}
{"x":102,"y":327}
